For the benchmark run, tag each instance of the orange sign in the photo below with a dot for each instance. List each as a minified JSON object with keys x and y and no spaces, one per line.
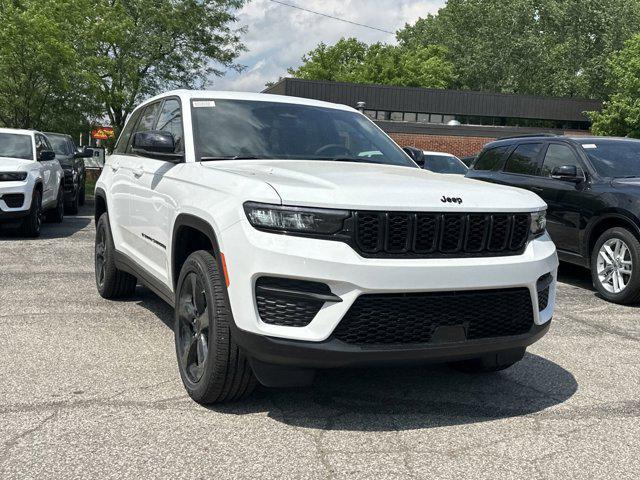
{"x":102,"y":133}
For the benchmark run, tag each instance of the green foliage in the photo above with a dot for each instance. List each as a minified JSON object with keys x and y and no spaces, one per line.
{"x":65,"y":63}
{"x":352,"y":61}
{"x":545,"y":47}
{"x":621,"y":113}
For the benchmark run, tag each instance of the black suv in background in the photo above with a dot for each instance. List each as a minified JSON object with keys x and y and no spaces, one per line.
{"x":592,"y":189}
{"x":72,"y":162}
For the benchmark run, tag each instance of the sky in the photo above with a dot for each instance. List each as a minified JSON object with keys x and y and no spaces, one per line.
{"x":277,"y":36}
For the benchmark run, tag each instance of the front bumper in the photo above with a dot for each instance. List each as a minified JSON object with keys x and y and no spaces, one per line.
{"x":251,"y":254}
{"x":336,"y":354}
{"x":24,"y":188}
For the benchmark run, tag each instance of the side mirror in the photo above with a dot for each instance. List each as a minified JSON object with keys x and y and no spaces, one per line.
{"x":156,"y":143}
{"x":46,"y":155}
{"x":86,"y":153}
{"x":415,"y":154}
{"x":568,"y":173}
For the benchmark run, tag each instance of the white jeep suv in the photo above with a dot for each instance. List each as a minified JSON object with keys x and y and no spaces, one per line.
{"x":292,"y":235}
{"x":31,"y":180}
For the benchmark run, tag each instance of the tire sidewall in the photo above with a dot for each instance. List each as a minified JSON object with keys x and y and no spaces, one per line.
{"x":103,"y":225}
{"x":631,"y":291}
{"x":194,"y":264}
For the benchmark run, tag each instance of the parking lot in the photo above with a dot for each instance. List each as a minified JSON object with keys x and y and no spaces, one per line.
{"x":90,"y":389}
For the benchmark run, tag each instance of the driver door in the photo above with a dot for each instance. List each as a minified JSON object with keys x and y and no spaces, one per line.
{"x":49,"y":178}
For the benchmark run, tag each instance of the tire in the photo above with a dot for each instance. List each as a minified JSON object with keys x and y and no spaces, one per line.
{"x":81,"y":194}
{"x":111,"y":282}
{"x":73,"y":206}
{"x":212,"y":367}
{"x":625,"y":260}
{"x":57,"y":214}
{"x":494,"y":362}
{"x":31,"y":225}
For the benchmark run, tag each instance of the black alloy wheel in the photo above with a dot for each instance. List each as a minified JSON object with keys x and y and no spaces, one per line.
{"x":193,"y":328}
{"x":32,"y":224}
{"x":100,"y":261}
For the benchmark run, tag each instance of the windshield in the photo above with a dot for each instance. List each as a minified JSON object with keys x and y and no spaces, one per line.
{"x":59,"y":144}
{"x":614,"y":158}
{"x":233,"y":129}
{"x":444,"y":164}
{"x":16,"y":145}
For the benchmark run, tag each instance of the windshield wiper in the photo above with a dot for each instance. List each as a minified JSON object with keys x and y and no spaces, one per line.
{"x":229,"y":157}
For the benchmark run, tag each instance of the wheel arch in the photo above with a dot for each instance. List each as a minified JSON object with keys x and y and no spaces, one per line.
{"x":604,"y":223}
{"x":191,"y":233}
{"x":100,"y":205}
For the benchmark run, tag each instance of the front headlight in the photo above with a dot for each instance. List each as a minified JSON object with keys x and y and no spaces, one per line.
{"x":13,"y":176}
{"x":538,"y":223}
{"x":295,"y":219}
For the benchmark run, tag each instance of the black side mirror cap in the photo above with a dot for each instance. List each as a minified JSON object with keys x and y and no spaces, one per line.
{"x":568,"y":173}
{"x":415,"y":154}
{"x":156,"y":143}
{"x":86,"y":153}
{"x":46,"y":155}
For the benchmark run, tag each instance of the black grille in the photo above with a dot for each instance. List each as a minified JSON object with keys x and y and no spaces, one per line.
{"x":543,"y":299}
{"x":13,"y":200}
{"x":386,"y":319}
{"x":380,"y":234}
{"x":278,"y":309}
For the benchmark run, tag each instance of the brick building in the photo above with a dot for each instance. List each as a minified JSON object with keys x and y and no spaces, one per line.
{"x":453,"y":121}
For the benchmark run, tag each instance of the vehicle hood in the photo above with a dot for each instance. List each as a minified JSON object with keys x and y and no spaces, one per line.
{"x":369,"y":186}
{"x":8,"y":164}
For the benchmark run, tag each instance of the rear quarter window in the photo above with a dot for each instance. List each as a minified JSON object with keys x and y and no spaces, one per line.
{"x":524,"y":159}
{"x":491,"y":159}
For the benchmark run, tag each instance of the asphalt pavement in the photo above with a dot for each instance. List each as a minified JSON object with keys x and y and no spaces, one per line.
{"x":89,"y":388}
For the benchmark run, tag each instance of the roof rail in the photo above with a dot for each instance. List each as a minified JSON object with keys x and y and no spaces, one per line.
{"x":528,"y":135}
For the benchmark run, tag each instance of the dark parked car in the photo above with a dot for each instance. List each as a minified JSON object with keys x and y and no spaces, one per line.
{"x":438,"y":162}
{"x":592,"y":188}
{"x":72,"y":162}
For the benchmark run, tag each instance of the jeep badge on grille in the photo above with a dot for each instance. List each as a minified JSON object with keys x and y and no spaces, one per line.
{"x":457,"y":200}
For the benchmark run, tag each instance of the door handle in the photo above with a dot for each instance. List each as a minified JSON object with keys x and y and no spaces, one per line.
{"x":138,"y":172}
{"x":115,"y":166}
{"x":537,"y":189}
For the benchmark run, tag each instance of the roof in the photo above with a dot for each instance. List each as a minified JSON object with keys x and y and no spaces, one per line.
{"x":22,"y":131}
{"x":452,"y":102}
{"x":189,"y":95}
{"x":444,"y":154}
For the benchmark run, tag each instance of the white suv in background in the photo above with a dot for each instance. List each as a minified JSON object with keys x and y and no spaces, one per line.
{"x":31,"y":180}
{"x":284,"y":249}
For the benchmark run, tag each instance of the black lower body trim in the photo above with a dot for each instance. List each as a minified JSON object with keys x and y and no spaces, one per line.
{"x":333,"y":353}
{"x":126,"y":264}
{"x":9,"y":216}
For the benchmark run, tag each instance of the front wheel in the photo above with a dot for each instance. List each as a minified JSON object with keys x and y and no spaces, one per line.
{"x":615,"y":266}
{"x":73,"y":206}
{"x":31,"y":225}
{"x":57,"y":214}
{"x":212,"y":367}
{"x":82,"y":194}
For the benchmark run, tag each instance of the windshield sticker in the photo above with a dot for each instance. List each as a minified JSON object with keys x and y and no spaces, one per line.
{"x":589,"y":145}
{"x":204,"y":103}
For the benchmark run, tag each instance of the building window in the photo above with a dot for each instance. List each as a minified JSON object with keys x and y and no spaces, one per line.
{"x":382,"y":115}
{"x":436,"y":118}
{"x":423,"y":117}
{"x":396,"y":116}
{"x":409,"y":117}
{"x":448,"y":118}
{"x":370,"y":113}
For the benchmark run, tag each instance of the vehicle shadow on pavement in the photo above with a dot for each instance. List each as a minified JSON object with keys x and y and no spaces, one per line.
{"x":71,"y":224}
{"x":391,"y":399}
{"x":575,"y":275}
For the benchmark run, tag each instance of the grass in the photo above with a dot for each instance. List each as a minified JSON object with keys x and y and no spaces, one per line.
{"x":89,"y":186}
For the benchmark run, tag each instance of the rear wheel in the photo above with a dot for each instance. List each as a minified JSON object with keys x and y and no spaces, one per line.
{"x":57,"y":214}
{"x":615,"y":266}
{"x":31,"y":225}
{"x":212,"y":367}
{"x":111,"y":282}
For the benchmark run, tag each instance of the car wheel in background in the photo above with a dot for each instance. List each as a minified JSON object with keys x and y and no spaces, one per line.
{"x":615,"y":266}
{"x":73,"y":206}
{"x":81,"y":194}
{"x":212,"y":367}
{"x":111,"y":282}
{"x":31,"y":225}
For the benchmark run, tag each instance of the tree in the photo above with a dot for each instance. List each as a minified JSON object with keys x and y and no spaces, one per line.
{"x":545,"y":47}
{"x":621,"y":113}
{"x":39,"y":87}
{"x":350,"y":60}
{"x":137,"y":48}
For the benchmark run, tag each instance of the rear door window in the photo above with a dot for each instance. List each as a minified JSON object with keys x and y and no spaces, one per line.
{"x":524,"y":159}
{"x":491,"y":159}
